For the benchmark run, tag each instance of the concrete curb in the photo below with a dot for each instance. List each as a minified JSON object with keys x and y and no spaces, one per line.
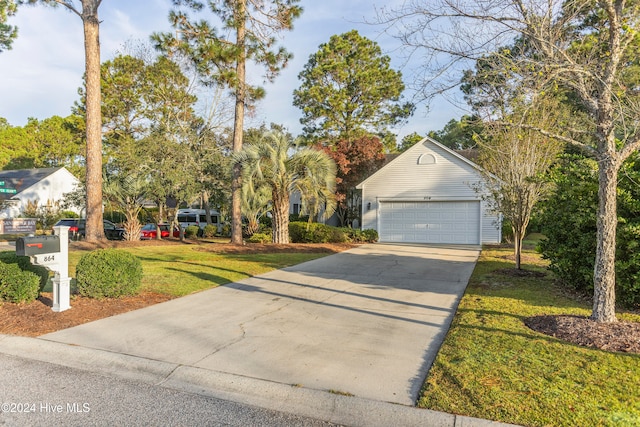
{"x":318,"y":404}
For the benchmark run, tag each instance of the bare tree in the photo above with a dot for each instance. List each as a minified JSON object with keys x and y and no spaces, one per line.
{"x":582,"y":45}
{"x":516,"y":161}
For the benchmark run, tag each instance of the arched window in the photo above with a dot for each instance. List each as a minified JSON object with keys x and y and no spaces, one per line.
{"x":426,"y":159}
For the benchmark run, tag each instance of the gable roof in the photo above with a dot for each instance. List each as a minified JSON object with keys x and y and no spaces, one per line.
{"x":21,"y":179}
{"x":417,"y":146}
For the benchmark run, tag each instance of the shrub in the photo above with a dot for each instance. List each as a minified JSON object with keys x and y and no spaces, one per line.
{"x":260,"y":238}
{"x":361,"y":236}
{"x":370,"y":235}
{"x":10,"y":257}
{"x":108,"y":273}
{"x":191,"y":232}
{"x":226,"y":230}
{"x":209,"y":231}
{"x":568,"y":221}
{"x":304,"y":232}
{"x":17,"y":285}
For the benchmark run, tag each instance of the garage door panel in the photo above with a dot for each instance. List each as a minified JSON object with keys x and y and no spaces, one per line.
{"x":430,"y":222}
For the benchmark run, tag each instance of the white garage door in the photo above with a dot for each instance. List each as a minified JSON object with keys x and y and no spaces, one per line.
{"x":430,"y":222}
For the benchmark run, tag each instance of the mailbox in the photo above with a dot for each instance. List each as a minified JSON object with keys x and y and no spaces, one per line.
{"x":28,"y":246}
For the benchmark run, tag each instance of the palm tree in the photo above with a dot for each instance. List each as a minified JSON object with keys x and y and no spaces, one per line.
{"x":274,"y":161}
{"x":128,"y":193}
{"x":255,"y":203}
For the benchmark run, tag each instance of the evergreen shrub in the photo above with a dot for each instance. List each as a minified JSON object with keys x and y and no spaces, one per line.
{"x":17,"y":285}
{"x":10,"y":257}
{"x":209,"y":231}
{"x":191,"y":232}
{"x":108,"y":273}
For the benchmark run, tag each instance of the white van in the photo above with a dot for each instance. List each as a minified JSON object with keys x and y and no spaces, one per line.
{"x":187,"y":217}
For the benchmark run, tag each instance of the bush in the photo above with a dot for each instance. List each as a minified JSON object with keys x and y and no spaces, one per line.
{"x":209,"y":231}
{"x":370,"y":235}
{"x":108,"y":273}
{"x":315,"y":232}
{"x":191,"y":232}
{"x":17,"y":285}
{"x":24,"y":263}
{"x":361,"y":236}
{"x":226,"y":230}
{"x":260,"y":238}
{"x":568,"y":221}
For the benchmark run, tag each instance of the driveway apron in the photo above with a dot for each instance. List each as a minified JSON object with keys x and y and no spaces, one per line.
{"x":366,"y":322}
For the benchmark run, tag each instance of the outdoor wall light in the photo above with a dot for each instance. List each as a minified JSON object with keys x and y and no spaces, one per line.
{"x":369,"y":206}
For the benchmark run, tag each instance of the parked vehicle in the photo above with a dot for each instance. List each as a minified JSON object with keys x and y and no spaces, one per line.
{"x":187,"y":217}
{"x":77,"y":229}
{"x":149,"y":231}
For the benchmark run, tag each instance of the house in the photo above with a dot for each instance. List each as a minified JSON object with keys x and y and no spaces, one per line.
{"x":429,"y":194}
{"x":46,"y":186}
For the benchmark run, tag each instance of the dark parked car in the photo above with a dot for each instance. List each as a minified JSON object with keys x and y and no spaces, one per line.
{"x":77,"y":229}
{"x":149,"y":231}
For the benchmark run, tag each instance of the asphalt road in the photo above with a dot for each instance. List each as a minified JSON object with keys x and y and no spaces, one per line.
{"x":36,"y":393}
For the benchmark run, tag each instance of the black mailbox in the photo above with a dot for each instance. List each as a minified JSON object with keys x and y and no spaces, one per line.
{"x":27,"y":246}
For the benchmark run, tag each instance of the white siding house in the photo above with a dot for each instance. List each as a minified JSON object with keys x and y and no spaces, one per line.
{"x":46,"y":186}
{"x":428,"y":195}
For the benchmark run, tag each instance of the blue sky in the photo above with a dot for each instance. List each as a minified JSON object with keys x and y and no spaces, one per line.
{"x":40,"y":76}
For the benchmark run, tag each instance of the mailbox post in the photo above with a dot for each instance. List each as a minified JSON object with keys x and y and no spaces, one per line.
{"x":51,"y":252}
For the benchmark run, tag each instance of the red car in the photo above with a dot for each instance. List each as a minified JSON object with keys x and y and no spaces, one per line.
{"x":149,"y":231}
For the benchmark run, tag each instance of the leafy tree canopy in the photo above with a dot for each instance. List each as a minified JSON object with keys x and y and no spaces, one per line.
{"x":356,"y":160}
{"x":348,"y":86}
{"x":459,"y":134}
{"x":7,"y":32}
{"x":51,"y":142}
{"x":409,"y":141}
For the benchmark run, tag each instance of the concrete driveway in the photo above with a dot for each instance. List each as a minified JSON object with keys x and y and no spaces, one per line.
{"x":366,"y":322}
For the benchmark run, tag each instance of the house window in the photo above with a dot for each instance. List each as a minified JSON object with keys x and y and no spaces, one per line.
{"x":296,"y":208}
{"x":426,"y":159}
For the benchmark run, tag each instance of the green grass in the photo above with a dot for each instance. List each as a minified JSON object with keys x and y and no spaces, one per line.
{"x":492,"y":366}
{"x":183,"y":269}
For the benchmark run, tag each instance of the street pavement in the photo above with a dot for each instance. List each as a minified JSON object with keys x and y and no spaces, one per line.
{"x":347,"y":338}
{"x":44,"y":394}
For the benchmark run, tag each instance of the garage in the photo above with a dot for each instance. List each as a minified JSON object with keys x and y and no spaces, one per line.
{"x":452,"y":222}
{"x":430,"y":194}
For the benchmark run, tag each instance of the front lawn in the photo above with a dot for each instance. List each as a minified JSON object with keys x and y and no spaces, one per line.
{"x":179,"y":270}
{"x":492,"y":366}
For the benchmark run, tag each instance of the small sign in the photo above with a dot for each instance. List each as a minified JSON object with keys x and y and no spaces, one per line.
{"x":18,"y":226}
{"x":47,"y":259}
{"x":8,"y":190}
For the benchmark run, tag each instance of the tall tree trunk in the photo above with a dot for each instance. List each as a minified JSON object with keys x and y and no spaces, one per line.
{"x":604,"y":277}
{"x":238,"y":125}
{"x":280,"y":217}
{"x":94,"y":227}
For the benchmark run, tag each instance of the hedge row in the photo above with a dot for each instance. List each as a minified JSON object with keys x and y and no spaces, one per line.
{"x":314,"y":232}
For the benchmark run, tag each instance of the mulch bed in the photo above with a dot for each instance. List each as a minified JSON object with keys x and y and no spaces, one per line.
{"x":37,"y":318}
{"x":616,"y":337}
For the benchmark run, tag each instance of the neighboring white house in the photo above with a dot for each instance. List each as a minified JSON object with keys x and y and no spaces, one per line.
{"x":46,"y":186}
{"x":428,"y":195}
